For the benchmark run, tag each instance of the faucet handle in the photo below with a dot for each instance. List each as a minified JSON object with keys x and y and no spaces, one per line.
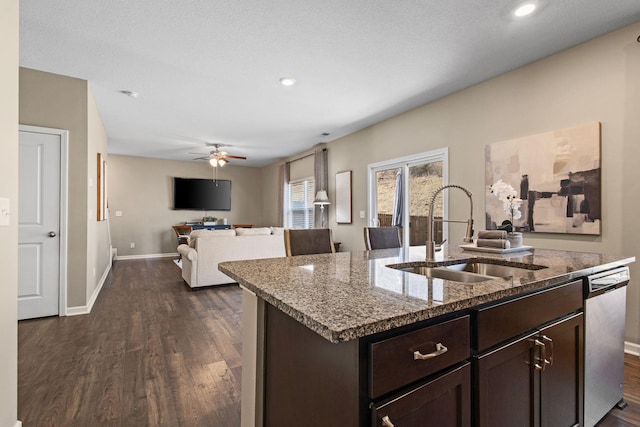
{"x":438,"y":247}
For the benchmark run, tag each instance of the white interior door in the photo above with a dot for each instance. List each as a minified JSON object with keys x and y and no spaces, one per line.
{"x":39,"y":224}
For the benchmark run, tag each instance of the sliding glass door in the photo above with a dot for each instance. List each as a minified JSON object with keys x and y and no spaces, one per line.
{"x":400,"y":191}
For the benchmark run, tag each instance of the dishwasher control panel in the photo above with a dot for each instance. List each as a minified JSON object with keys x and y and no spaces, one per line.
{"x":607,"y":280}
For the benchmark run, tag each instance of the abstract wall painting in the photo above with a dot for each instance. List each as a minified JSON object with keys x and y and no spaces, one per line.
{"x":556,"y":174}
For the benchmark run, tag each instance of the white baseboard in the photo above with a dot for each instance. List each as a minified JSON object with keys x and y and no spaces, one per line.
{"x":632,"y":348}
{"x":18,"y":424}
{"x":171,"y":255}
{"x":86,"y":309}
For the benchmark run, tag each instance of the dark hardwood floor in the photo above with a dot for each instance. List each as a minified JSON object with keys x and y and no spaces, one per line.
{"x":154,"y":353}
{"x":630,"y":416}
{"x":151,"y":353}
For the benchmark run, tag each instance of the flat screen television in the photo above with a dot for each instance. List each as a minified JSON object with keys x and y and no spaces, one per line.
{"x":201,"y":194}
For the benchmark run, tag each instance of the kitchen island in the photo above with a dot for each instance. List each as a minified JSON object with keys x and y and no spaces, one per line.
{"x":320,"y":333}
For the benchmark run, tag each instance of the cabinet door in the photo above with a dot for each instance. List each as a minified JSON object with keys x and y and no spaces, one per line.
{"x":443,"y":402}
{"x":534,"y":381}
{"x":508,"y":385}
{"x":562,"y":380}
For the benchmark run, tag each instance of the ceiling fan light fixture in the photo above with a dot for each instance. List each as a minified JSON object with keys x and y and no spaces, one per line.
{"x":222,"y":161}
{"x":524,"y":9}
{"x":213,"y":162}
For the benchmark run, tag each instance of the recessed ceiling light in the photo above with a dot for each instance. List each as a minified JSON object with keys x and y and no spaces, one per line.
{"x":524,"y":10}
{"x":287,"y":81}
{"x":130,"y":93}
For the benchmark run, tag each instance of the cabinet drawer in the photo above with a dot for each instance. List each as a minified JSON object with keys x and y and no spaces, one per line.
{"x":500,"y":322}
{"x":393,"y":362}
{"x":443,"y":402}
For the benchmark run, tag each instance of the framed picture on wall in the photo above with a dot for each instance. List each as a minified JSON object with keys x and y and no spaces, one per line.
{"x":102,"y":188}
{"x":343,"y":197}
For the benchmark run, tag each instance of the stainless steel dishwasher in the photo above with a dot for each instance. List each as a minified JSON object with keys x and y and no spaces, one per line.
{"x":604,"y":313}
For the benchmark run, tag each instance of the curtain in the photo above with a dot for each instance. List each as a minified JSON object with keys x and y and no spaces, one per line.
{"x":283,"y":180}
{"x":321,"y":178}
{"x":398,"y":202}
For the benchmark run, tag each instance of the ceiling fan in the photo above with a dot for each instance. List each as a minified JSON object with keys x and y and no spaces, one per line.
{"x":218,"y":157}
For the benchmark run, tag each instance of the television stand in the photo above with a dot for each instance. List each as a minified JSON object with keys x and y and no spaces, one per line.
{"x":211,"y":227}
{"x":183,"y":231}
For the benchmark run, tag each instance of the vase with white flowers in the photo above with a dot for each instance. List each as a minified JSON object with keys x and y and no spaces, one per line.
{"x":511,"y":205}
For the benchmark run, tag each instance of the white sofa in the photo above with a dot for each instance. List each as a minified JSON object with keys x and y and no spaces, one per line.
{"x":207,"y":248}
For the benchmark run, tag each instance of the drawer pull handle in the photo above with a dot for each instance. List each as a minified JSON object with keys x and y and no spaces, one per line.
{"x":386,"y":422}
{"x":440,"y":349}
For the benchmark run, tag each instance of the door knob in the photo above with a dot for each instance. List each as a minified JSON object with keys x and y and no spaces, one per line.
{"x":52,"y":234}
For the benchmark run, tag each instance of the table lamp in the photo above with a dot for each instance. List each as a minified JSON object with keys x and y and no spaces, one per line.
{"x":322,"y":199}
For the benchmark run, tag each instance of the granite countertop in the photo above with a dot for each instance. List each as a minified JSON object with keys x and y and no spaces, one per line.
{"x":349,"y":295}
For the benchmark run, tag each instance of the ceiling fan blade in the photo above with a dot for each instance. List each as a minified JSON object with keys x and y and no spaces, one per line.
{"x":235,"y":157}
{"x":202,"y":158}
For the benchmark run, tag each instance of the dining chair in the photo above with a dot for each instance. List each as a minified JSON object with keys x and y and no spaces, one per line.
{"x":308,"y":241}
{"x":382,"y":238}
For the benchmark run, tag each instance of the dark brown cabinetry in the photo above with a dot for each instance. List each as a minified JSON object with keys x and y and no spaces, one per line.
{"x":444,"y":399}
{"x":516,"y":362}
{"x":535,"y":379}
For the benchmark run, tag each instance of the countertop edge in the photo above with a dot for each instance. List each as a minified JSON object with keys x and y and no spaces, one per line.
{"x":382,"y":325}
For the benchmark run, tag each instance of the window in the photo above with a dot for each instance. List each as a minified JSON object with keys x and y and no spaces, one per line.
{"x":300,"y":203}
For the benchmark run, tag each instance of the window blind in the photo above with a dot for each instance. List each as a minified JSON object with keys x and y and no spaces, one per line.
{"x":301,"y":194}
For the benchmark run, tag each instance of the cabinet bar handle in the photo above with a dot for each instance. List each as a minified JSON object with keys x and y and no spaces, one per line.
{"x":543,"y":356}
{"x":440,"y":349}
{"x":386,"y":422}
{"x":548,"y":342}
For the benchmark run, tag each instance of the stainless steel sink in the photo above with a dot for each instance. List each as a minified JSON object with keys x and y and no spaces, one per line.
{"x":491,"y":269}
{"x":448,"y":274}
{"x":472,"y":271}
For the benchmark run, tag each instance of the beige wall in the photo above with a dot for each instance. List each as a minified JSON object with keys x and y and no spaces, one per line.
{"x":61,"y":102}
{"x":142,"y":189}
{"x":596,"y":81}
{"x":9,"y":190}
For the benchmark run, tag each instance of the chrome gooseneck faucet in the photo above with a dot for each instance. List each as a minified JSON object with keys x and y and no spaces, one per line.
{"x":431,"y":244}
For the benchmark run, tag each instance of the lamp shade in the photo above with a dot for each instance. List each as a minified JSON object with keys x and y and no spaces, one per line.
{"x":215,"y":161}
{"x":321,"y":198}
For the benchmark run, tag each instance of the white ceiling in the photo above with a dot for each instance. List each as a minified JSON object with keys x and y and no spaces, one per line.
{"x":209,"y":70}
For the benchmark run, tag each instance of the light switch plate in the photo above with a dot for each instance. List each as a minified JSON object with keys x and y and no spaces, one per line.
{"x":4,"y":212}
{"x":118,"y":213}
{"x":361,"y":214}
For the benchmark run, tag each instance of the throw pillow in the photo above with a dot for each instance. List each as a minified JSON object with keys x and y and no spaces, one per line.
{"x":205,"y":234}
{"x":260,"y":231}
